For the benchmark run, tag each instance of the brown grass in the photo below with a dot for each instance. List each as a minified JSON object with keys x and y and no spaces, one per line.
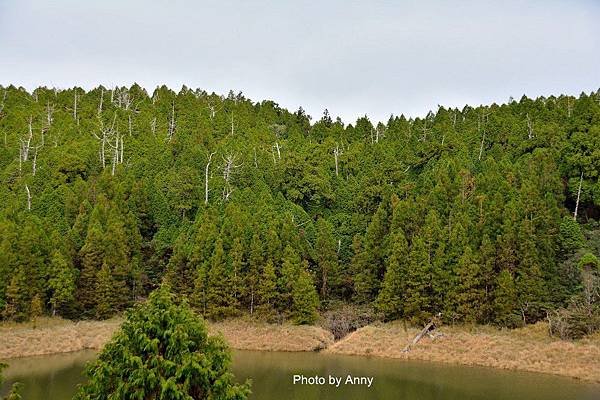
{"x":244,"y":334}
{"x":526,"y":349}
{"x":55,"y":335}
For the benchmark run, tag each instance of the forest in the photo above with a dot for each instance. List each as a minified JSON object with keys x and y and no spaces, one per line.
{"x":486,"y":214}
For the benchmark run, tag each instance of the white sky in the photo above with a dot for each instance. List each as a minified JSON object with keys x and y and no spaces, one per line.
{"x":352,"y":57}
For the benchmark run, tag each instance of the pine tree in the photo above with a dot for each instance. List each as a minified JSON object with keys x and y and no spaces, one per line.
{"x":417,"y":303}
{"x":238,"y":265}
{"x":363,"y":280}
{"x":327,"y":260}
{"x":188,"y":364}
{"x":469,"y":292}
{"x":290,"y":269}
{"x":17,"y":297}
{"x":267,"y":291}
{"x":36,"y":309}
{"x":220,"y":295}
{"x":390,"y":300}
{"x":505,"y":299}
{"x":61,"y":282}
{"x":305,"y":299}
{"x":375,"y":246}
{"x":253,"y":277}
{"x":105,"y":293}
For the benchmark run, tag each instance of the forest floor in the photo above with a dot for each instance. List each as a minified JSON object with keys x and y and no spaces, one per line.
{"x":526,"y":349}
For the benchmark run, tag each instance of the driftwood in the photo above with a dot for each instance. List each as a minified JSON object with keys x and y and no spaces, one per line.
{"x":429,"y":327}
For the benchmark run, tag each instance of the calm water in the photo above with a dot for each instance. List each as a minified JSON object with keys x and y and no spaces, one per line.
{"x":56,"y":377}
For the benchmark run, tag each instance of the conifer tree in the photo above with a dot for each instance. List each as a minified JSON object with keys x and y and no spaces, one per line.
{"x":17,"y":297}
{"x":61,"y":282}
{"x":305,"y":299}
{"x":188,"y":364}
{"x":220,"y":297}
{"x":390,"y":300}
{"x":290,"y":268}
{"x":327,"y":259}
{"x":267,"y":291}
{"x":469,"y":292}
{"x":253,"y":276}
{"x":505,"y":299}
{"x":105,"y":293}
{"x":417,"y":303}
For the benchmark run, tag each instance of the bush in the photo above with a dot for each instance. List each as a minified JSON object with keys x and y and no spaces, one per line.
{"x":346,"y":318}
{"x":162,"y":351}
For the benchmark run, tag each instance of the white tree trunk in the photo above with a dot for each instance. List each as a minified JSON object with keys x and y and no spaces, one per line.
{"x":206,"y":177}
{"x":578,"y":196}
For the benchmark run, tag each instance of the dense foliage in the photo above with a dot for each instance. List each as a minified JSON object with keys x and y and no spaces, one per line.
{"x":162,"y":351}
{"x":244,"y":207}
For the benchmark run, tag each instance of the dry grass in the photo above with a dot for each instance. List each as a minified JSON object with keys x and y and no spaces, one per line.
{"x":55,"y":335}
{"x":526,"y":349}
{"x":245,"y":334}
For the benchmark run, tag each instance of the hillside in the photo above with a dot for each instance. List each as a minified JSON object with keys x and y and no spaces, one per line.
{"x":244,"y":207}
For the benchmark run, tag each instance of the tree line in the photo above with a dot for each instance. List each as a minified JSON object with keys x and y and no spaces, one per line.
{"x":481,"y":214}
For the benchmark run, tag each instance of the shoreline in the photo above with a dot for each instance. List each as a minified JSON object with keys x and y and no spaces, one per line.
{"x":527,"y":349}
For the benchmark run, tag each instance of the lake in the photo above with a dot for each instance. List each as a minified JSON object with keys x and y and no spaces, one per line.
{"x":55,"y":377}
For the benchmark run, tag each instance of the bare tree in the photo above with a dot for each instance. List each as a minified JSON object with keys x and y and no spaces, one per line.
{"x":206,"y":177}
{"x":75,"y":107}
{"x":578,"y":196}
{"x":529,"y":127}
{"x":336,"y":153}
{"x":28,"y":197}
{"x":481,"y":125}
{"x":172,"y":126}
{"x":101,"y":102}
{"x":228,"y":169}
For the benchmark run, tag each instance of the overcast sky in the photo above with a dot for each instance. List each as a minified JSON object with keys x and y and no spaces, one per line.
{"x":352,"y":57}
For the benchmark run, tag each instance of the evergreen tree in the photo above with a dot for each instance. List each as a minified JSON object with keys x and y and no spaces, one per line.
{"x":267,"y":291}
{"x":505,"y":300}
{"x":220,"y":294}
{"x":187,"y":364}
{"x":470,"y":292}
{"x":327,"y":259}
{"x":105,"y":293}
{"x":390,"y":300}
{"x":61,"y":282}
{"x":290,"y":269}
{"x":253,"y":277}
{"x":305,"y":299}
{"x":17,"y":297}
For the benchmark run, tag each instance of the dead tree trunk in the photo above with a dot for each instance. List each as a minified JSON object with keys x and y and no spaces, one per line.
{"x":101,"y":102}
{"x":171,"y":130}
{"x":206,"y":177}
{"x":28,"y":197}
{"x":336,"y":153}
{"x":578,"y":196}
{"x":430,"y":326}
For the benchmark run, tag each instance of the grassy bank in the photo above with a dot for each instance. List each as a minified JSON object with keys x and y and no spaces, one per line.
{"x":526,"y":349}
{"x":55,"y":335}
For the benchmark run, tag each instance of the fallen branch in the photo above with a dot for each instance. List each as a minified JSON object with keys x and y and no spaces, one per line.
{"x":430,"y":326}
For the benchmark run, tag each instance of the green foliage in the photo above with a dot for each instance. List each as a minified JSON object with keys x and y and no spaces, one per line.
{"x":570,"y":237}
{"x":589,"y":262}
{"x":162,"y":351}
{"x":229,"y":213}
{"x":304,"y":298}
